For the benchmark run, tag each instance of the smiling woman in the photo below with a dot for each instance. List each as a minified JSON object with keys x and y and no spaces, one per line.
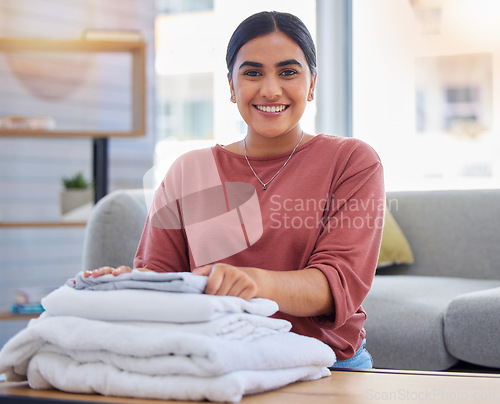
{"x":318,"y":274}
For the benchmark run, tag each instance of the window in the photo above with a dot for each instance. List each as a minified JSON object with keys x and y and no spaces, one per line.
{"x":185,"y":106}
{"x":423,"y":90}
{"x":183,"y":6}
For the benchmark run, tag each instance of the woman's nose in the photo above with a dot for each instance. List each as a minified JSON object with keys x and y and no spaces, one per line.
{"x":271,"y":88}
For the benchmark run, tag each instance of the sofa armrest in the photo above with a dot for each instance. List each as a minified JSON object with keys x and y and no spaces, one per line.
{"x":114,"y":229}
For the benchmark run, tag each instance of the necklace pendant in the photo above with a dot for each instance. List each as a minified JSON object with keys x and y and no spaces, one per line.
{"x":264,"y":186}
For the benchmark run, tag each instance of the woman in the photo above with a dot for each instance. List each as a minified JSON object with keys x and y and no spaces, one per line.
{"x":314,"y":207}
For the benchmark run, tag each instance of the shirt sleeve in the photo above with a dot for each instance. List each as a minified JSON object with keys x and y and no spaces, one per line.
{"x":163,"y":246}
{"x":348,"y":245}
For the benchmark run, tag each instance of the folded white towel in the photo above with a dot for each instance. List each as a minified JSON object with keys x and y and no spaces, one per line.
{"x":184,"y":282}
{"x":49,"y":370}
{"x":232,"y":326}
{"x":149,"y":350}
{"x":149,"y":305}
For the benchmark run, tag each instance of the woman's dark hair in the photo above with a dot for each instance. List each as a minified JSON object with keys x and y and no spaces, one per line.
{"x":271,"y":21}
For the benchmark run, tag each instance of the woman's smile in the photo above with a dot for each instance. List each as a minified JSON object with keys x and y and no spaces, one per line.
{"x":272,"y":109}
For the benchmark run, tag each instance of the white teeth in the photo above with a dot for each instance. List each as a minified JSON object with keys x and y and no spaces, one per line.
{"x":278,"y":108}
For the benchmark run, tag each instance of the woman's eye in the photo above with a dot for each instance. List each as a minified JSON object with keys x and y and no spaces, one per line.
{"x":288,"y":72}
{"x":251,"y":73}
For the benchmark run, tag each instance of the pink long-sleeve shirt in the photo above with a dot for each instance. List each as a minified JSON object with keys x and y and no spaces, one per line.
{"x":324,"y":210}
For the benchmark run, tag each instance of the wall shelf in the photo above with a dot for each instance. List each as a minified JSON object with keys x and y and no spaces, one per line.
{"x":15,"y":225}
{"x":66,"y":134}
{"x":7,"y":315}
{"x":137,"y":50}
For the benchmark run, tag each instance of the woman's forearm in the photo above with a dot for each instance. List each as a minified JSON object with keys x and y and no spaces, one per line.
{"x":302,"y":293}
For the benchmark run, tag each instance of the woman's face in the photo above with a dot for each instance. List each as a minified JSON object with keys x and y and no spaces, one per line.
{"x":271,"y":83}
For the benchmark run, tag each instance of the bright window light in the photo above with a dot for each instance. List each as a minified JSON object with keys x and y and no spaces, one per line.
{"x":425,"y":90}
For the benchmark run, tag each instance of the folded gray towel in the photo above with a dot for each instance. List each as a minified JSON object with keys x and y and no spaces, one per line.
{"x":184,"y":282}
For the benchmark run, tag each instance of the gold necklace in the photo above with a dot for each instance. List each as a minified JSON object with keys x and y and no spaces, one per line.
{"x":265,"y":184}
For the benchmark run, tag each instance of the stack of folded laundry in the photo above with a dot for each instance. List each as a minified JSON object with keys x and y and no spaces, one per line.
{"x":152,"y":335}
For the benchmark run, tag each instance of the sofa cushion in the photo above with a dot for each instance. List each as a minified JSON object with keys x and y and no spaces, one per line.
{"x":405,"y":320}
{"x":395,"y":248}
{"x":451,"y":233}
{"x":472,"y":326}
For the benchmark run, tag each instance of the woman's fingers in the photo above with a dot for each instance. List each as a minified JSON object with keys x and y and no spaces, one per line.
{"x":107,"y":270}
{"x":246,"y":289}
{"x":227,"y":280}
{"x":122,"y":269}
{"x":203,"y":271}
{"x":98,"y":272}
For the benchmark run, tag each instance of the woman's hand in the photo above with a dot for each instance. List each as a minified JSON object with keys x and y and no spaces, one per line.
{"x":304,"y":293}
{"x":110,"y":270}
{"x":228,"y":280}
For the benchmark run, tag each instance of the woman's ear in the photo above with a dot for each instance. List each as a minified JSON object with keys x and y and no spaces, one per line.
{"x":231,"y":88}
{"x":310,"y":95}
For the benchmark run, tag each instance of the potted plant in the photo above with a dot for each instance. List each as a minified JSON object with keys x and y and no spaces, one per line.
{"x":77,"y":192}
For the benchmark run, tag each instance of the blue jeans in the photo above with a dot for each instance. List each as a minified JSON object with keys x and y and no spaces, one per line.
{"x":361,"y":360}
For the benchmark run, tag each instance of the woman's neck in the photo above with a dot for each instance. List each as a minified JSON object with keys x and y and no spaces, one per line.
{"x":262,"y":146}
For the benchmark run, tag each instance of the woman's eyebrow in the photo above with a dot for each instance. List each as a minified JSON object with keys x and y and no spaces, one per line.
{"x":279,"y":64}
{"x":251,"y":64}
{"x":288,"y":62}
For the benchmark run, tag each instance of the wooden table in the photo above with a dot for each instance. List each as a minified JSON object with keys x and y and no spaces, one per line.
{"x":350,"y":387}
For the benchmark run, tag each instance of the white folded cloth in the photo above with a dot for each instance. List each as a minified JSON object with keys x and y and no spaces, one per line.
{"x":48,"y":370}
{"x":150,"y":305}
{"x":150,"y":350}
{"x":82,"y":355}
{"x":157,"y":344}
{"x":232,"y":326}
{"x":183,"y":282}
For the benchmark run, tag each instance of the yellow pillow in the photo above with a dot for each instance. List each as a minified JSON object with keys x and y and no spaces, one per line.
{"x":395,"y":248}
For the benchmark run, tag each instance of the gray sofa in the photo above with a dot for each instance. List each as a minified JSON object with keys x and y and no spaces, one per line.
{"x":445,"y":307}
{"x":428,"y":315}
